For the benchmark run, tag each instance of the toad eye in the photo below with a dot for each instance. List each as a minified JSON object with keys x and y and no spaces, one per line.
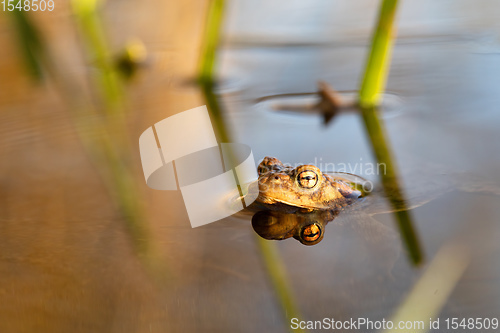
{"x":307,"y":179}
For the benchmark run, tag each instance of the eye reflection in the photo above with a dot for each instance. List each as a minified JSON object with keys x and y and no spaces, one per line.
{"x":307,"y":179}
{"x":311,"y":232}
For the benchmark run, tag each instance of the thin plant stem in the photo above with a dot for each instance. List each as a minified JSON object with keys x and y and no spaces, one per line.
{"x":376,"y":70}
{"x":210,"y":40}
{"x":30,"y":43}
{"x":279,"y":281}
{"x":423,"y":301}
{"x":215,"y":112}
{"x":101,"y":129}
{"x":112,"y":146}
{"x":107,"y":76}
{"x":389,"y":179}
{"x":206,"y":79}
{"x":373,"y":84}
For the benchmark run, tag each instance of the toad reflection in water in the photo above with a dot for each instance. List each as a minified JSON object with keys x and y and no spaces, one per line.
{"x":307,"y":228}
{"x":299,"y":202}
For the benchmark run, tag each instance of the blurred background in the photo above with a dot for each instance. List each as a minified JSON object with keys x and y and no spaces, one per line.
{"x":85,"y":245}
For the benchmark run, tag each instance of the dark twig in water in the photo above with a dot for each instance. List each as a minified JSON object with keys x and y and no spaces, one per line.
{"x":330,"y":104}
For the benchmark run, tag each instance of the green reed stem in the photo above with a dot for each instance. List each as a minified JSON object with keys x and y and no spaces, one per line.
{"x":107,"y":77}
{"x":215,"y":112}
{"x":279,"y":281}
{"x":210,"y":40}
{"x":207,"y":81}
{"x":373,"y":84}
{"x":206,"y":76}
{"x":423,"y":301}
{"x":105,"y":136}
{"x":30,"y":43}
{"x":102,"y":129}
{"x":376,"y":70}
{"x":390,"y":183}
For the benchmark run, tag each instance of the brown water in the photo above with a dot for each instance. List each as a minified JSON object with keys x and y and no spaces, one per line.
{"x":66,"y":261}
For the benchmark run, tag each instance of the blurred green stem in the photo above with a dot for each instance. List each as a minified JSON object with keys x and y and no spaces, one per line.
{"x":30,"y":43}
{"x":111,"y":145}
{"x":424,"y":301}
{"x":279,"y":281}
{"x":86,"y":13}
{"x":101,"y":127}
{"x":211,"y":40}
{"x":215,"y":112}
{"x":206,"y":77}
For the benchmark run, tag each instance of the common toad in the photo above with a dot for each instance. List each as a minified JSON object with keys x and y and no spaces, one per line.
{"x":304,"y":187}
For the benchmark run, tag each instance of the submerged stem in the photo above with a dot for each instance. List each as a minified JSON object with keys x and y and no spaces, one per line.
{"x":390,"y":183}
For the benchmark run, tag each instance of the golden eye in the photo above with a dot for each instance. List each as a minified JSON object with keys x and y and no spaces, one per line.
{"x":307,"y":179}
{"x":311,"y":233}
